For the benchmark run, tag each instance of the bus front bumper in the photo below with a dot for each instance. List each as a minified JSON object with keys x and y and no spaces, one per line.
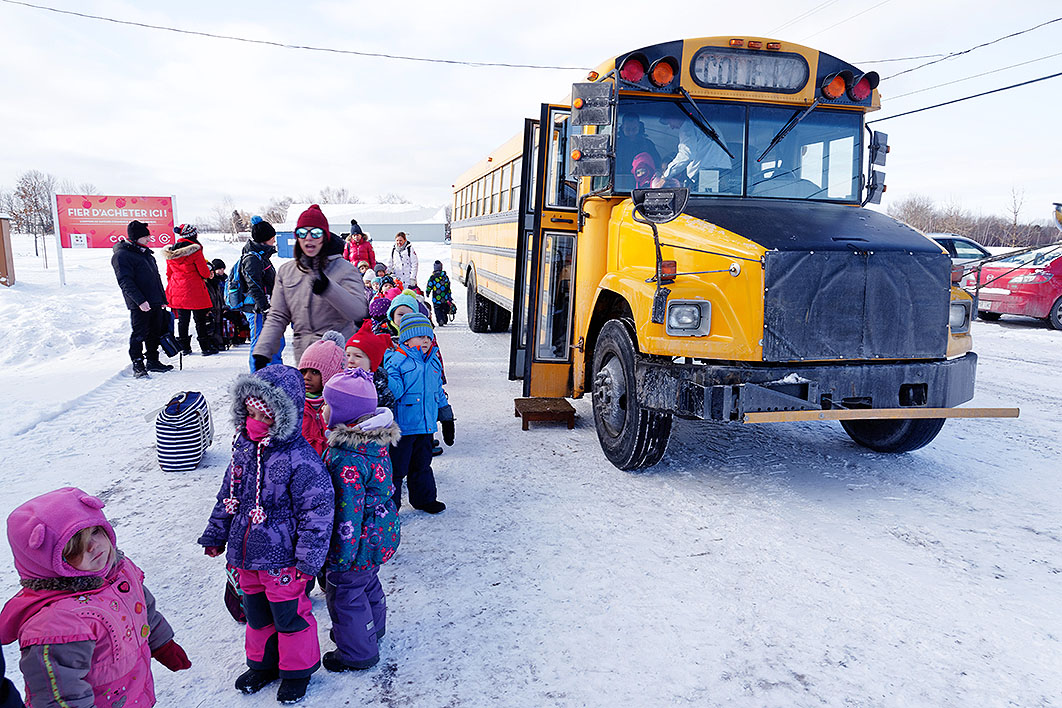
{"x":740,"y":392}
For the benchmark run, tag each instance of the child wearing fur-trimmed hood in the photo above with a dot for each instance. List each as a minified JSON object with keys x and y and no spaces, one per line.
{"x":86,"y":625}
{"x":366,"y":528}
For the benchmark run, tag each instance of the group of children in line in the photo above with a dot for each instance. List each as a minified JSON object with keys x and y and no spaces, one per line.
{"x":312,"y":493}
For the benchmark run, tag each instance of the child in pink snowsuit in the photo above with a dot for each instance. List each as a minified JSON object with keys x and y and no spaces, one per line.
{"x":85,"y":623}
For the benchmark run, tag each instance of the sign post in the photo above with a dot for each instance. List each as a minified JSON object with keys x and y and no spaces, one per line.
{"x":58,"y":242}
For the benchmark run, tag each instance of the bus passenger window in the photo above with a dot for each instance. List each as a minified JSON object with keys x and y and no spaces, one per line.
{"x":555,"y":297}
{"x":562,"y":187}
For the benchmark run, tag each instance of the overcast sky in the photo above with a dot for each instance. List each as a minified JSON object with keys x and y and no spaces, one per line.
{"x":141,"y":111}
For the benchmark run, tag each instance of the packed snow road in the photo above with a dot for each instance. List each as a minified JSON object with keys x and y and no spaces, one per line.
{"x":755,"y":566}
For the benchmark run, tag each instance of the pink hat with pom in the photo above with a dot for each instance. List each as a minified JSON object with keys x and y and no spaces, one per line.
{"x":39,"y":529}
{"x":326,"y":355}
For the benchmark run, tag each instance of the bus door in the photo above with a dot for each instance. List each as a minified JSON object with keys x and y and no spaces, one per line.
{"x":546,"y":302}
{"x":525,"y":230}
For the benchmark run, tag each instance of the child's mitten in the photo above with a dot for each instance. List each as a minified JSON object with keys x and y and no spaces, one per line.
{"x":172,"y":656}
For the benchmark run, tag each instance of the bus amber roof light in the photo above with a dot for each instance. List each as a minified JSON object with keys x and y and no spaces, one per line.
{"x":663,"y":73}
{"x":737,"y":43}
{"x":593,"y":76}
{"x":863,"y":86}
{"x":833,"y":86}
{"x":755,"y":44}
{"x":774,"y":45}
{"x":633,"y":70}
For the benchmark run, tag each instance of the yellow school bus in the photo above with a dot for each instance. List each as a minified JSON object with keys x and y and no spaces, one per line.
{"x":685,"y":235}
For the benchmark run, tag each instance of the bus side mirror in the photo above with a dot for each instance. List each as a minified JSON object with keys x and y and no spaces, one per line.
{"x":659,"y":206}
{"x":591,"y":156}
{"x":879,"y":148}
{"x":876,"y":187}
{"x":592,"y":103}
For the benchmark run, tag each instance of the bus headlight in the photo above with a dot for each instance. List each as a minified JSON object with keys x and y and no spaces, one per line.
{"x":959,"y":316}
{"x":686,"y":318}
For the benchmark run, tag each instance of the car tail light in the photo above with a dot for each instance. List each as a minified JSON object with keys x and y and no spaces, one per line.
{"x":1038,"y":278}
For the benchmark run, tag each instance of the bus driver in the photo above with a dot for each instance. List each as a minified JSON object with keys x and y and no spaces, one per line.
{"x":696,"y":152}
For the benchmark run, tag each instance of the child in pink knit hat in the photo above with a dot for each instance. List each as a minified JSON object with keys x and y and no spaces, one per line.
{"x":321,"y":361}
{"x":86,"y":625}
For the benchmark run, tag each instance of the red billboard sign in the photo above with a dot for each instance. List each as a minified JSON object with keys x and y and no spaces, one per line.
{"x":94,"y":221}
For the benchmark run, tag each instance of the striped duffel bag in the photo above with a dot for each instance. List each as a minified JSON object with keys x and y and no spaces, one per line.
{"x":183,"y":432}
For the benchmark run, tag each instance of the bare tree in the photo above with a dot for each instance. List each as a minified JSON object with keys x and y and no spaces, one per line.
{"x":449,"y":214}
{"x":67,"y":186}
{"x":337,"y":195}
{"x":392,"y":198}
{"x":277,"y":210}
{"x":32,"y":212}
{"x":917,"y":210}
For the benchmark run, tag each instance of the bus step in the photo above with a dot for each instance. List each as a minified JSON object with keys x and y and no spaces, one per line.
{"x":538,"y":409}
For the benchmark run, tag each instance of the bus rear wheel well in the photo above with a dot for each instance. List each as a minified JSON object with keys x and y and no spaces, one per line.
{"x":610,"y":306}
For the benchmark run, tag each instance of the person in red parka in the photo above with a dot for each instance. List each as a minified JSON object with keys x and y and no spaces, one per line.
{"x":359,"y":249}
{"x":186,"y":275}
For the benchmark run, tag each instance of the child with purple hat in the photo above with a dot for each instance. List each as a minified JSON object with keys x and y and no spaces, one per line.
{"x":365,"y":532}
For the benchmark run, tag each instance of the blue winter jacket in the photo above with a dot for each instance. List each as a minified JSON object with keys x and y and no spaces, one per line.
{"x":366,"y":530}
{"x":416,"y":380}
{"x":288,"y":478}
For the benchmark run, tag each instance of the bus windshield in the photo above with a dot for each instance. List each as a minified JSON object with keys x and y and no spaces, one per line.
{"x":662,"y":144}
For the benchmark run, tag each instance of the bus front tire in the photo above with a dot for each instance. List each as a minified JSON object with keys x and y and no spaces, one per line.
{"x":893,"y":435}
{"x":631,"y":436}
{"x":479,"y":308}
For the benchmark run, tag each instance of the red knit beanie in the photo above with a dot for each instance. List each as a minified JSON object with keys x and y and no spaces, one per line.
{"x":313,"y":216}
{"x":374,"y":345}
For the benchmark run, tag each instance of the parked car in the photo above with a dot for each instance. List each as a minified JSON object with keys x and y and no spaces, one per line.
{"x":960,"y":248}
{"x":1028,"y":284}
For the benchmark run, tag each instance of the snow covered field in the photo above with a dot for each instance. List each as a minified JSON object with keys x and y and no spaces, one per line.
{"x":755,"y":566}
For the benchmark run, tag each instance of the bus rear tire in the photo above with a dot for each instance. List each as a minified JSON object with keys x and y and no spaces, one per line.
{"x":631,"y":436}
{"x":478,"y":308}
{"x":893,"y":435}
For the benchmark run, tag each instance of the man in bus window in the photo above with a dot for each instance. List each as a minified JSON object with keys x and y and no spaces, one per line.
{"x":696,"y":152}
{"x":632,"y":141}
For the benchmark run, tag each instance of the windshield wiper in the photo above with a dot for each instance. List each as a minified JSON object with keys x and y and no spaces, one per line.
{"x":703,"y":123}
{"x":790,"y":124}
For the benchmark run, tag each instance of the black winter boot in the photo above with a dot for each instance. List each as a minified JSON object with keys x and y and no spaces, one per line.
{"x":254,"y":680}
{"x":433,"y":507}
{"x":292,"y":690}
{"x":186,"y":346}
{"x":156,"y":365}
{"x":139,"y":370}
{"x":332,"y":662}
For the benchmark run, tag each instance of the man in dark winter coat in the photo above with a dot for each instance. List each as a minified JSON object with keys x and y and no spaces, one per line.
{"x":138,"y":277}
{"x":259,"y":275}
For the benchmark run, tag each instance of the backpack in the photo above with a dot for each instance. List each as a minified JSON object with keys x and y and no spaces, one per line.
{"x":183,"y":432}
{"x":235,"y":288}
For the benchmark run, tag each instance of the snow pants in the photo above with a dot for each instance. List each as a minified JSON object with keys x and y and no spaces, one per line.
{"x":358,"y":610}
{"x":281,"y":630}
{"x":255,"y":320}
{"x":147,"y":329}
{"x":411,"y":458}
{"x":202,"y":328}
{"x":442,"y":312}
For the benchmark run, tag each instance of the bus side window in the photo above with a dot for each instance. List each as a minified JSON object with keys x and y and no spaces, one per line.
{"x":561,"y":188}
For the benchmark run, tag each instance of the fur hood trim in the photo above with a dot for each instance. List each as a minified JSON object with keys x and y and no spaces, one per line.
{"x":181,"y":251}
{"x":287,"y":421}
{"x":352,"y":435}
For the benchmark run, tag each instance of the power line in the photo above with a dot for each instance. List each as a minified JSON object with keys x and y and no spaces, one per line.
{"x":798,"y":18}
{"x":886,"y":61}
{"x":974,"y":76}
{"x":847,"y":19}
{"x":282,"y":45}
{"x":967,"y":98}
{"x":967,"y":51}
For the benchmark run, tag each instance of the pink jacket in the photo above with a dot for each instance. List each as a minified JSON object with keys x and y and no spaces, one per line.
{"x":86,"y":638}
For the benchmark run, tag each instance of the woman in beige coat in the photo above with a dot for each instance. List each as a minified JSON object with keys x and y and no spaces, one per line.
{"x":316,"y":292}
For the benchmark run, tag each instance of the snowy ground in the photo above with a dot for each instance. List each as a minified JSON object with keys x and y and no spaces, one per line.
{"x":755,"y":566}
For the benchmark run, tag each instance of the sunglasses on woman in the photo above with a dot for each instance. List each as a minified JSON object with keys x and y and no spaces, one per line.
{"x":306,"y":232}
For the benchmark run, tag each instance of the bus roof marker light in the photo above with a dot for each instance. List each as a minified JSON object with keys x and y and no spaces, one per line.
{"x":774,"y":45}
{"x":663,"y":72}
{"x":593,"y":76}
{"x":863,"y":86}
{"x":737,"y":43}
{"x":633,"y":69}
{"x":755,"y":44}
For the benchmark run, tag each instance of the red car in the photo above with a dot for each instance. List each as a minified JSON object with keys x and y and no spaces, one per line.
{"x":1029,"y":284}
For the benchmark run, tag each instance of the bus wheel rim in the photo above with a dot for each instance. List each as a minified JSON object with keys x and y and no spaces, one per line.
{"x":610,"y":393}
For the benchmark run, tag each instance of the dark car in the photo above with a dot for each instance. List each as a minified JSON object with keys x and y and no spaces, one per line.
{"x":1029,"y":284}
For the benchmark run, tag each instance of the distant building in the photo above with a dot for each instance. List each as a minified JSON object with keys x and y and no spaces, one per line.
{"x":380,"y":221}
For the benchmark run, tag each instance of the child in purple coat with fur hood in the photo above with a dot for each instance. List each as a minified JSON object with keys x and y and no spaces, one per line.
{"x":274,"y":512}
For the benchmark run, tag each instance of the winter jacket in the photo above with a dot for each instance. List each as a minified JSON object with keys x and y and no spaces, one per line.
{"x":366,"y":530}
{"x":342,"y":306}
{"x":357,"y":252}
{"x":257,"y":274}
{"x":313,"y":427}
{"x":186,"y":275}
{"x":404,"y":263}
{"x":138,"y":275}
{"x":415,"y":379}
{"x":86,"y":642}
{"x":439,"y":287}
{"x":283,"y":474}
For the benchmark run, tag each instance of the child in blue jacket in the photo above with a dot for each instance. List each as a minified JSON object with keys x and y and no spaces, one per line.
{"x":365,"y":532}
{"x":414,"y":373}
